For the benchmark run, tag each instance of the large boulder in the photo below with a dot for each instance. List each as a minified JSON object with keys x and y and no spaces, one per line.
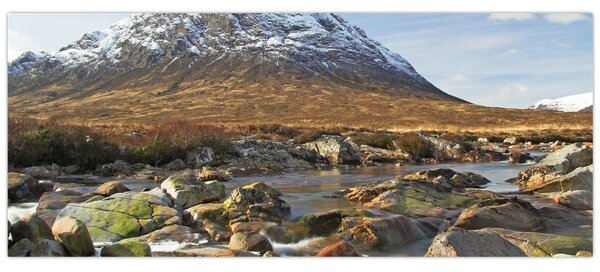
{"x":579,"y":179}
{"x":413,"y":197}
{"x":508,"y":213}
{"x":30,"y":227}
{"x":211,"y":211}
{"x":111,"y":188}
{"x":256,"y":203}
{"x":536,"y":244}
{"x":339,"y":249}
{"x":450,"y":178}
{"x":557,"y":163}
{"x":248,"y":241}
{"x":335,"y":149}
{"x":22,"y":187}
{"x":126,"y":248}
{"x":444,"y":149}
{"x":392,"y":231}
{"x":124,"y":215}
{"x":457,"y":242}
{"x":59,"y":199}
{"x":43,"y":172}
{"x":187,"y":193}
{"x":253,"y":156}
{"x":74,"y":236}
{"x":48,"y":248}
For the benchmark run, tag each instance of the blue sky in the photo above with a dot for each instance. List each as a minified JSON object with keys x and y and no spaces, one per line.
{"x":499,"y":59}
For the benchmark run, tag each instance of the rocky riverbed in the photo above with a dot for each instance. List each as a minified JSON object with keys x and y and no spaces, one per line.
{"x":325,"y":198}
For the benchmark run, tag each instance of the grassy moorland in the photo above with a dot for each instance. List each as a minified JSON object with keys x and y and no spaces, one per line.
{"x":35,"y":142}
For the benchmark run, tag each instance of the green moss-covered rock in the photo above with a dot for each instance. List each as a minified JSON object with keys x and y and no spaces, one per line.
{"x":187,"y":193}
{"x":543,"y":244}
{"x":211,"y":211}
{"x":126,"y":248}
{"x":74,"y":236}
{"x":124,"y":215}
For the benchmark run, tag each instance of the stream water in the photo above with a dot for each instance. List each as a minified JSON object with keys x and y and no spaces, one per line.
{"x":308,"y":191}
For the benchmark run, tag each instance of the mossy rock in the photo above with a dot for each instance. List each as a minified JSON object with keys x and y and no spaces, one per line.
{"x":211,"y":211}
{"x":135,"y":208}
{"x":118,"y":223}
{"x":543,"y":244}
{"x":126,"y":248}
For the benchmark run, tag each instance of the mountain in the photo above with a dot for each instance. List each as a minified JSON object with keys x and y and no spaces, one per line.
{"x":296,"y":69}
{"x":571,"y":103}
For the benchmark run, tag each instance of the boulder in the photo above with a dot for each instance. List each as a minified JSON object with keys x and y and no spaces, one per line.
{"x":211,"y":252}
{"x":22,"y":248}
{"x":246,"y":204}
{"x":49,"y":216}
{"x":373,"y":154}
{"x":339,"y":249}
{"x":126,"y":248}
{"x":208,"y":175}
{"x":252,"y":156}
{"x":444,"y":149}
{"x":43,"y":172}
{"x":21,"y":187}
{"x":576,"y":199}
{"x":519,"y":157}
{"x":202,"y":156}
{"x":510,"y":140}
{"x":457,"y":242}
{"x":216,"y":231}
{"x":536,"y":244}
{"x":250,"y":242}
{"x":578,"y":179}
{"x":335,"y":149}
{"x":264,"y":188}
{"x":413,"y":197}
{"x":450,"y":178}
{"x":322,"y":224}
{"x":508,"y":213}
{"x":111,"y":188}
{"x":124,"y":215}
{"x":181,"y":234}
{"x":48,"y":248}
{"x":392,"y":231}
{"x":74,"y":236}
{"x":557,"y":163}
{"x":175,"y":165}
{"x":187,"y":193}
{"x":59,"y":199}
{"x":31,"y":227}
{"x":119,"y":167}
{"x":211,"y":211}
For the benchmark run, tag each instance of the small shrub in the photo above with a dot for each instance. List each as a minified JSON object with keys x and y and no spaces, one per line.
{"x":379,"y":140}
{"x":414,"y":145}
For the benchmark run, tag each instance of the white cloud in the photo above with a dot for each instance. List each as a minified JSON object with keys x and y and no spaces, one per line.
{"x":513,"y":16}
{"x":458,"y":78}
{"x":509,"y":52}
{"x":513,"y":88}
{"x":565,"y":18}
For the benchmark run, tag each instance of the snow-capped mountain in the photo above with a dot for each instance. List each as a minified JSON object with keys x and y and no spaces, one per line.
{"x":571,"y":103}
{"x":255,"y":46}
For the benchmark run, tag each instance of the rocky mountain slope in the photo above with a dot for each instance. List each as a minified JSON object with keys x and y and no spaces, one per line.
{"x":571,"y":103}
{"x":308,"y":69}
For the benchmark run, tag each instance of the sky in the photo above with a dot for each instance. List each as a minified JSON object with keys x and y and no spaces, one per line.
{"x":492,"y":59}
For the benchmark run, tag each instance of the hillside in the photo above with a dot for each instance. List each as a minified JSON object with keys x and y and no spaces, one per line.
{"x":297,"y":69}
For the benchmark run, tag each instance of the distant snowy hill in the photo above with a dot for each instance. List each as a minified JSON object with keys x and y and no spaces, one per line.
{"x":571,"y":103}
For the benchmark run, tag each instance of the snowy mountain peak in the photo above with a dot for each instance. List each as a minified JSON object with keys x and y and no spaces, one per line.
{"x":571,"y":103}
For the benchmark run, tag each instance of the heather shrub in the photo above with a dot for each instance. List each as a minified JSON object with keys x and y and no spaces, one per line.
{"x":414,"y":145}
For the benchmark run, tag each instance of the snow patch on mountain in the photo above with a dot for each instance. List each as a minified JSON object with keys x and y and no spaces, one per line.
{"x":571,"y":103}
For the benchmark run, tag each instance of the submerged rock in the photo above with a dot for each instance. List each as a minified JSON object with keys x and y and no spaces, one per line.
{"x":22,"y":187}
{"x":339,"y":249}
{"x":458,"y":242}
{"x":335,"y":149}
